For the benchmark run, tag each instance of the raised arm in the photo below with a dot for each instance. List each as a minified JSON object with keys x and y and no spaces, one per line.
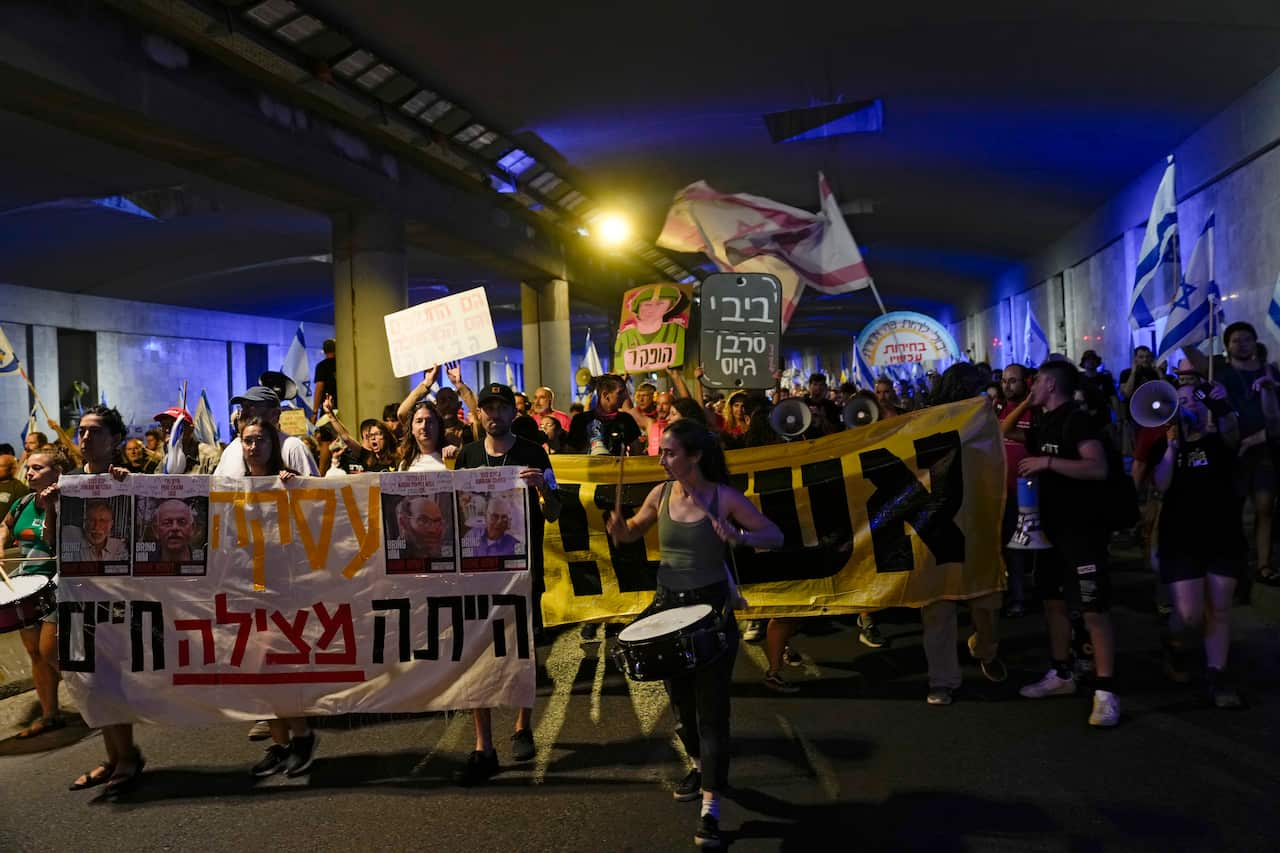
{"x":630,"y":529}
{"x":417,"y":393}
{"x":676,"y":374}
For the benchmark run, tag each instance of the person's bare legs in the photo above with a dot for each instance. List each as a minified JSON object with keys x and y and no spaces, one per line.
{"x":483,"y":720}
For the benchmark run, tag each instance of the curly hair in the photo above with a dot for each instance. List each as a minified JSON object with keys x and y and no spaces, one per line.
{"x":58,"y":456}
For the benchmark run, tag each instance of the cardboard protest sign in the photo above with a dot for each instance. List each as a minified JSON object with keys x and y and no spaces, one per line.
{"x":652,"y":330}
{"x":441,"y":330}
{"x":741,"y":325}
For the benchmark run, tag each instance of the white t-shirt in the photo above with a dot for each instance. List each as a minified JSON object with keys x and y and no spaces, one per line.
{"x":295,"y":453}
{"x":427,"y":462}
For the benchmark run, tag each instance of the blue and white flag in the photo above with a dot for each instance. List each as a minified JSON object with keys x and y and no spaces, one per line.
{"x":206,"y":427}
{"x":298,"y":368}
{"x":175,"y":459}
{"x":1156,"y":281}
{"x":1195,"y":313}
{"x":8,"y":358}
{"x":863,"y":375}
{"x":591,"y":358}
{"x":1035,"y":344}
{"x":1273,"y":310}
{"x":511,"y":375}
{"x":31,"y":426}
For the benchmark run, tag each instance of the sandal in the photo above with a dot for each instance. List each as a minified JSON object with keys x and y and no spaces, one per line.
{"x":120,"y":783}
{"x":40,"y":725}
{"x":93,"y":778}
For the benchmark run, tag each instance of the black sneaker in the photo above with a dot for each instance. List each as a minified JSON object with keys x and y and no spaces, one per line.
{"x":690,"y":787}
{"x":522,"y":748}
{"x":590,"y":632}
{"x":302,"y":749}
{"x":480,"y":768}
{"x":273,"y":762}
{"x":708,"y":834}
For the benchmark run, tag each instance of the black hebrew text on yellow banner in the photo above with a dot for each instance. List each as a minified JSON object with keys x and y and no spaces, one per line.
{"x":900,"y":513}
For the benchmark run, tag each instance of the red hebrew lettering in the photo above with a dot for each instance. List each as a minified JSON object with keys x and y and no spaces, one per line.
{"x":205,"y":627}
{"x":340,"y":620}
{"x":225,"y":617}
{"x":293,"y":633}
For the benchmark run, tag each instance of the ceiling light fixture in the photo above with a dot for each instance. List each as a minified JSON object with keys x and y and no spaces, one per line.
{"x":613,"y":229}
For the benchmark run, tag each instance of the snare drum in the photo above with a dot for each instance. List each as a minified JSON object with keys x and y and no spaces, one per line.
{"x":671,"y":643}
{"x":32,"y":598}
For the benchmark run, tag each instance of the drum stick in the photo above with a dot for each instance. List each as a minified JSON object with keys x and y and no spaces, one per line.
{"x":7,"y":582}
{"x":617,"y":498}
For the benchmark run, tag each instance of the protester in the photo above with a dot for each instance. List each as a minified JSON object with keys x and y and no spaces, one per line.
{"x":735,"y":421}
{"x":11,"y":488}
{"x":553,"y":434}
{"x":499,"y":448}
{"x":698,"y":514}
{"x":262,"y":402}
{"x":544,"y":403}
{"x":604,"y":430}
{"x":1016,"y":416}
{"x":658,"y":423}
{"x":421,"y":448}
{"x":136,"y":459}
{"x":886,"y":398}
{"x":34,"y":440}
{"x":29,"y":523}
{"x":1195,"y":475}
{"x":1066,"y":453}
{"x":826,"y":417}
{"x":195,"y":458}
{"x":1097,"y":390}
{"x":376,"y":451}
{"x":325,"y":386}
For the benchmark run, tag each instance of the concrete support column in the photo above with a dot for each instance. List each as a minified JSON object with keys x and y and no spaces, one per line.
{"x":370,"y":280}
{"x":545,"y":336}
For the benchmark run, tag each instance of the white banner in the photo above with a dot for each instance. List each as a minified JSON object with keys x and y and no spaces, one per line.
{"x":253,"y":598}
{"x":441,"y":330}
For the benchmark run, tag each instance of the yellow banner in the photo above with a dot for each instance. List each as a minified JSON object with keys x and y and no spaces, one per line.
{"x":896,"y":514}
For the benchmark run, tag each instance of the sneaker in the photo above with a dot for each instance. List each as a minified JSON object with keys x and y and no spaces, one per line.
{"x":775,"y":682}
{"x":522,"y":748}
{"x":994,"y":670}
{"x":260,"y":730}
{"x":1051,"y":685}
{"x":590,"y":632}
{"x":869,"y":635}
{"x":791,"y":657}
{"x":939,"y":696}
{"x":690,"y":787}
{"x":1106,"y":709}
{"x":480,"y":768}
{"x":1220,"y":695}
{"x":273,"y":762}
{"x":302,"y":749}
{"x":708,"y":834}
{"x":754,"y":631}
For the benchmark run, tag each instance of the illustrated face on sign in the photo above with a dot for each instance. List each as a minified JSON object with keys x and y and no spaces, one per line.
{"x":649,"y":314}
{"x":97,"y":524}
{"x":175,"y":525}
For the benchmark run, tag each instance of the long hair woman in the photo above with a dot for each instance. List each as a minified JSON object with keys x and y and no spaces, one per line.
{"x":293,"y":743}
{"x":422,"y":448}
{"x":698,"y":514}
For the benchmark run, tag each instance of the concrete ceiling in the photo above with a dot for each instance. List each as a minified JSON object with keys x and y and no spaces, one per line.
{"x":1005,"y":124}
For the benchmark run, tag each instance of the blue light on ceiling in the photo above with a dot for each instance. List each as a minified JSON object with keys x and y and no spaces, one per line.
{"x":869,"y":119}
{"x":516,"y":162}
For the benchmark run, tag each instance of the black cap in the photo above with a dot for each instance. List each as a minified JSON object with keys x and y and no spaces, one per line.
{"x":257,"y":394}
{"x":496,"y":391}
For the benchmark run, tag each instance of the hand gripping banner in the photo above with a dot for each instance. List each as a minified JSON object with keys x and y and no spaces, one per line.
{"x":900,"y":513}
{"x":195,"y":599}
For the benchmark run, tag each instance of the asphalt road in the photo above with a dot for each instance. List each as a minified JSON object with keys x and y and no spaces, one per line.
{"x":857,"y":760}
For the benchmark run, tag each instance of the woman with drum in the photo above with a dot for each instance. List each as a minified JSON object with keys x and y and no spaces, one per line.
{"x":698,"y":514}
{"x":31,"y":582}
{"x":293,"y":743}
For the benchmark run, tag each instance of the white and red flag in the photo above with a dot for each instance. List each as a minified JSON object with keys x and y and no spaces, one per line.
{"x":747,"y":233}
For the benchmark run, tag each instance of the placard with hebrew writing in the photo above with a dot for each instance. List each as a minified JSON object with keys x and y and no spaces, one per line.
{"x":741,"y":320}
{"x":441,"y":330}
{"x":95,"y":525}
{"x":171,"y":525}
{"x":652,"y":329}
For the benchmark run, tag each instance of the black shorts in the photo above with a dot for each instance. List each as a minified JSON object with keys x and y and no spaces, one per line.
{"x":1075,"y":571}
{"x":1179,"y":564}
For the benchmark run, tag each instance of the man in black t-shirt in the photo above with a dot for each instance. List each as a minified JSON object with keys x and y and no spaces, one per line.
{"x":496,"y":409}
{"x":1067,"y":456}
{"x":1097,"y":390}
{"x":326,"y":379}
{"x":826,"y":415}
{"x":604,"y":430}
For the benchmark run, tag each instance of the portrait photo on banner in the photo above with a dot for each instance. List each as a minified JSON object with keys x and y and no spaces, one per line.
{"x":171,"y":520}
{"x":418,"y":523}
{"x":95,"y":526}
{"x":492,"y":520}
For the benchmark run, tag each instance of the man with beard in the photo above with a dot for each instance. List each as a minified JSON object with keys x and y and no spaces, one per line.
{"x":544,"y":405}
{"x":826,"y":416}
{"x":175,"y":525}
{"x":1016,"y":420}
{"x":421,"y":526}
{"x":96,"y":542}
{"x":500,"y":447}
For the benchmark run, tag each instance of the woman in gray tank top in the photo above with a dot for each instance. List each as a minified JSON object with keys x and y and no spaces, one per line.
{"x":698,"y":514}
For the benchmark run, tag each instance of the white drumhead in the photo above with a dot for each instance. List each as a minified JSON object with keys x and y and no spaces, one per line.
{"x":664,"y":622}
{"x":23,"y":586}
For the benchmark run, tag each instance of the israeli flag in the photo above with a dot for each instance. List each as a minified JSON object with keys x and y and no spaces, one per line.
{"x":298,"y":368}
{"x":1156,"y":283}
{"x":175,"y":458}
{"x":591,"y":358}
{"x":864,"y":376}
{"x":511,"y":375}
{"x":1195,"y":314}
{"x":1273,"y":310}
{"x":206,"y":427}
{"x":1035,"y":344}
{"x":8,"y":358}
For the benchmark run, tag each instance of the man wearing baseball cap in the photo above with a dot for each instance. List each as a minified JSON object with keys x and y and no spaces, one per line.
{"x":262,"y":402}
{"x":192,"y":457}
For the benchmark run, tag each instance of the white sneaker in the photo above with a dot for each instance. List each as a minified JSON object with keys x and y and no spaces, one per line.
{"x":1106,"y":709}
{"x":754,"y":630}
{"x":1051,"y":685}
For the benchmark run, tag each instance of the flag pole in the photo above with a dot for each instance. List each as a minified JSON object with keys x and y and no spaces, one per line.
{"x":62,"y":433}
{"x":1213,"y":334}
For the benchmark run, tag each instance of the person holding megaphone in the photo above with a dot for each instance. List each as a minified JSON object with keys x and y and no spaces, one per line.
{"x":1202,"y":549}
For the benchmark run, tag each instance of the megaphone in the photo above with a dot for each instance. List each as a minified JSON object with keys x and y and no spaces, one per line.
{"x":860,"y":411}
{"x":1154,"y":404}
{"x":790,"y":418}
{"x":582,"y":377}
{"x":285,"y":387}
{"x":1027,"y":535}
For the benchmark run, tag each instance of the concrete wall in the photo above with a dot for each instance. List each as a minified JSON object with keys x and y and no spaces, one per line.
{"x":145,"y":351}
{"x":1231,"y":167}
